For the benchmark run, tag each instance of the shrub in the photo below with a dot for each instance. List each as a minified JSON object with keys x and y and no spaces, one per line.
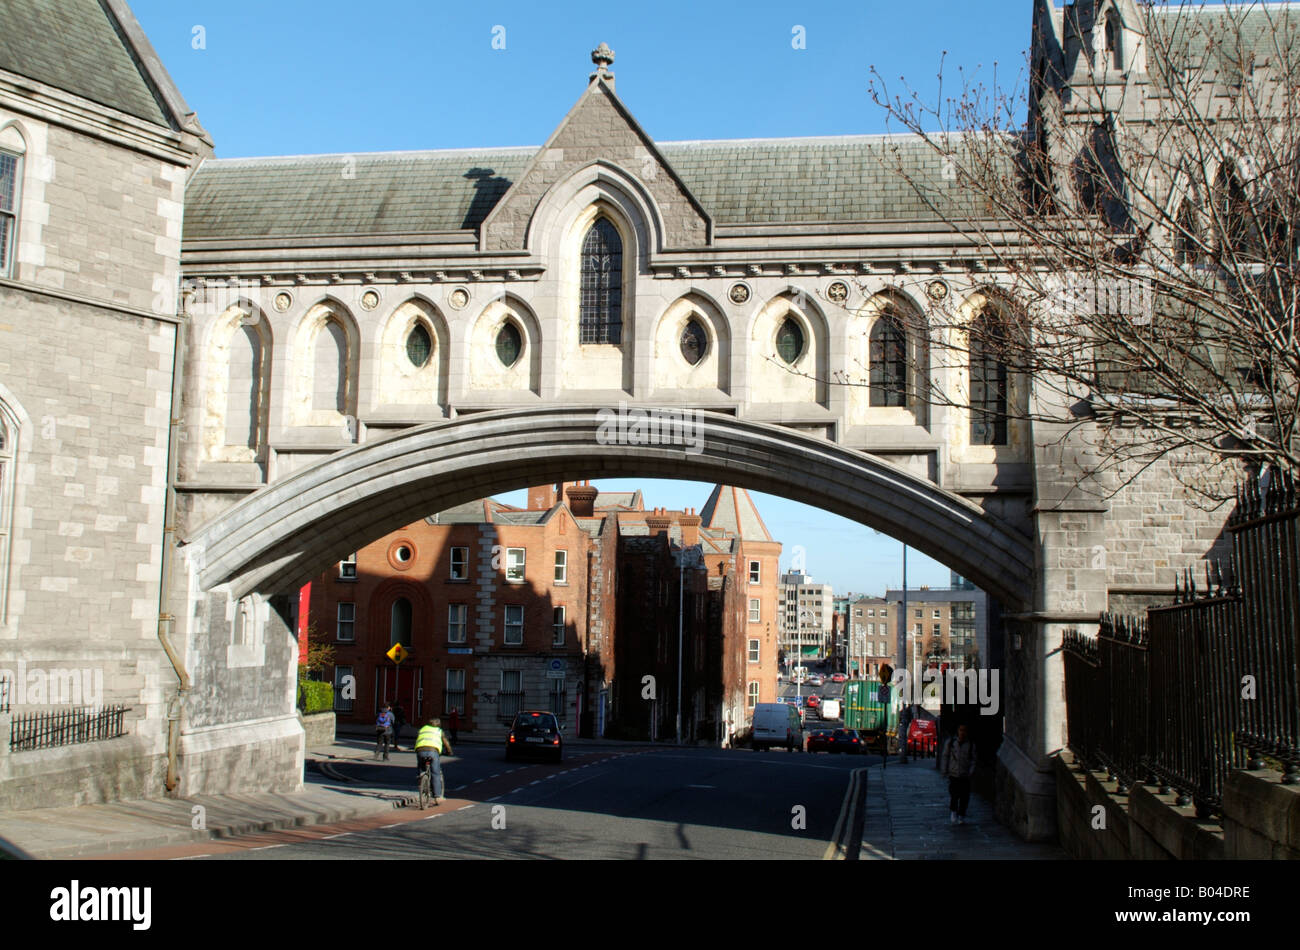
{"x":315,"y":697}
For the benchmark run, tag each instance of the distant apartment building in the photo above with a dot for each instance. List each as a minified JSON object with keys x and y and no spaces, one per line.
{"x":807,"y":613}
{"x":567,"y":604}
{"x":945,"y":627}
{"x":872,"y":640}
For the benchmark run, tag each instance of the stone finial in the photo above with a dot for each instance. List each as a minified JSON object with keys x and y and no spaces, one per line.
{"x":603,"y":57}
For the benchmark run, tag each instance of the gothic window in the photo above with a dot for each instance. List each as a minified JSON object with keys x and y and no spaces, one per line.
{"x":244,"y":392}
{"x":789,"y":340}
{"x":509,"y":343}
{"x":988,"y":381}
{"x":1185,"y":234}
{"x":419,"y":345}
{"x":8,"y":438}
{"x":331,"y":366}
{"x":9,"y":166}
{"x":695,"y":342}
{"x":888,"y":362}
{"x":1114,"y":40}
{"x":601,"y":311}
{"x":1234,"y":213}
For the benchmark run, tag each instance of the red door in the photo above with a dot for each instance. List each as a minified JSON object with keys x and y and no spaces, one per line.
{"x":404,"y":686}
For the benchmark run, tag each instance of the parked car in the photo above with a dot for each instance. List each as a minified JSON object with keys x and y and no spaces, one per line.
{"x":535,"y":732}
{"x":838,"y":678}
{"x":777,"y":724}
{"x":819,"y":741}
{"x":922,"y":736}
{"x":845,"y":740}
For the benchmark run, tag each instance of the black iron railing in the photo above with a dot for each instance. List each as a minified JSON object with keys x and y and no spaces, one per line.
{"x":508,"y":704}
{"x":1210,"y":683}
{"x":48,"y":730}
{"x":453,"y":699}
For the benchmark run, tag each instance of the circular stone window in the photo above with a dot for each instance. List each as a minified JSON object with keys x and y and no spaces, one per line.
{"x":401,"y":554}
{"x":510,"y":344}
{"x":419,"y":344}
{"x":694,"y":343}
{"x":789,"y":340}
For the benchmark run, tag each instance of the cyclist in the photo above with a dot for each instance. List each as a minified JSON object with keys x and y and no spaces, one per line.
{"x":383,"y":729}
{"x":430,"y":743}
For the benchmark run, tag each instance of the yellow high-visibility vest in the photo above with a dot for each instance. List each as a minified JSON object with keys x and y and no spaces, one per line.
{"x":430,"y":737}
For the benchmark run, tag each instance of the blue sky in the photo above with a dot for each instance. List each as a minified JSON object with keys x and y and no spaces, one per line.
{"x":290,"y":77}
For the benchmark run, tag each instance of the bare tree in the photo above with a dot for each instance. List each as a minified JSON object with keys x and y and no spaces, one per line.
{"x":1134,"y":197}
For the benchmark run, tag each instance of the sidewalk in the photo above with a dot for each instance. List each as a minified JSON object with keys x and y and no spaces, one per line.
{"x":89,"y":830}
{"x":907,"y":819}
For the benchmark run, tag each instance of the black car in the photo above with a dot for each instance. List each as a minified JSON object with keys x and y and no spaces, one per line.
{"x":535,"y":732}
{"x":845,"y":740}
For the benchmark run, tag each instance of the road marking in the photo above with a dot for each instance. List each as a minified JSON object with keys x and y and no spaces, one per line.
{"x":343,"y":835}
{"x":430,"y":817}
{"x":266,"y":847}
{"x":387,"y":826}
{"x":463,"y":807}
{"x":191,"y":857}
{"x":537,"y":782}
{"x":459,"y":788}
{"x":836,"y":850}
{"x":498,"y":775}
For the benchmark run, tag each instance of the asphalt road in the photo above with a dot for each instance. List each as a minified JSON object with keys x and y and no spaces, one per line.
{"x":618,"y":803}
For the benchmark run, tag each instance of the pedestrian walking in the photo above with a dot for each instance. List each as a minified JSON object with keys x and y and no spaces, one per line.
{"x":453,"y":721}
{"x":383,"y":731}
{"x":399,"y":720}
{"x":958,"y":764}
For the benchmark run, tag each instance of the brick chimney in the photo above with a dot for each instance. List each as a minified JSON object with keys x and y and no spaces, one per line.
{"x":542,"y":497}
{"x":690,"y":523}
{"x":582,"y":499}
{"x":658,"y":521}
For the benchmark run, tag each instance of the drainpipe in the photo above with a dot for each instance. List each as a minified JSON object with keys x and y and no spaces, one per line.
{"x":166,"y":621}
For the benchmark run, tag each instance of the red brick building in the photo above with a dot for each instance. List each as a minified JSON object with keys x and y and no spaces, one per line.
{"x":567,"y":605}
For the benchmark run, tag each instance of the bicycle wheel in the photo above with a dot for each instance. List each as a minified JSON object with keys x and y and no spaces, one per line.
{"x":424,"y":789}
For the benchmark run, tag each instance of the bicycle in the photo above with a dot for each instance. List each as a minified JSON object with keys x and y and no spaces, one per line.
{"x":426,"y":783}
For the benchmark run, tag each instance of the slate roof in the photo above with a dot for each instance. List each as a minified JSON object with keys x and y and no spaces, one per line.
{"x":73,"y":45}
{"x":732,"y":510}
{"x":758,"y":181}
{"x":1221,"y":39}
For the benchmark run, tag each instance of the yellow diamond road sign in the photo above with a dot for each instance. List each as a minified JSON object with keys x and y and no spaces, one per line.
{"x":398,"y":653}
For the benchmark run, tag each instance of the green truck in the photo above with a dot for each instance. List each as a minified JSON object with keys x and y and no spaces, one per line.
{"x":872,"y":709}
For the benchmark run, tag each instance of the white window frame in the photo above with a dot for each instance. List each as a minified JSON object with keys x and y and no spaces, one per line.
{"x":871,"y":611}
{"x":884,"y":612}
{"x":755,"y":610}
{"x":751,"y":694}
{"x":351,"y":622}
{"x":756,"y":572}
{"x":7,"y":268}
{"x":451,"y":623}
{"x":451,"y":684}
{"x":463,"y":564}
{"x":348,"y":567}
{"x":559,"y":625}
{"x":561,"y":567}
{"x":520,"y":568}
{"x":507,"y":625}
{"x":340,"y":703}
{"x":755,"y":648}
{"x":938,"y":614}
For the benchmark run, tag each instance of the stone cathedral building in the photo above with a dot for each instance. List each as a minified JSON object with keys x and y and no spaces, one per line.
{"x":165,"y":458}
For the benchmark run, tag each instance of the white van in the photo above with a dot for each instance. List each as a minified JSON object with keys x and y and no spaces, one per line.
{"x":777,"y":724}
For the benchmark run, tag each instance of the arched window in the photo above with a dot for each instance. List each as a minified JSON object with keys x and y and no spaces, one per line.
{"x":601,"y":309}
{"x":888,"y":362}
{"x":244,"y":393}
{"x":1186,"y":233}
{"x":694,"y":343}
{"x":1232,"y":208}
{"x":988,"y":381}
{"x":789,"y":340}
{"x":510,"y":343}
{"x":419,"y":345}
{"x":8,"y":440}
{"x":12,"y":149}
{"x":1114,"y":40}
{"x":331,"y":374}
{"x":400,"y":627}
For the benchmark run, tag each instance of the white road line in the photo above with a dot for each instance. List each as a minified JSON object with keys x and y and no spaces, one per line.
{"x":266,"y":847}
{"x":537,"y":782}
{"x":343,"y":835}
{"x":496,"y":799}
{"x":498,"y":775}
{"x":430,"y":817}
{"x":191,"y":857}
{"x":463,"y":807}
{"x":459,"y":788}
{"x":387,"y":826}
